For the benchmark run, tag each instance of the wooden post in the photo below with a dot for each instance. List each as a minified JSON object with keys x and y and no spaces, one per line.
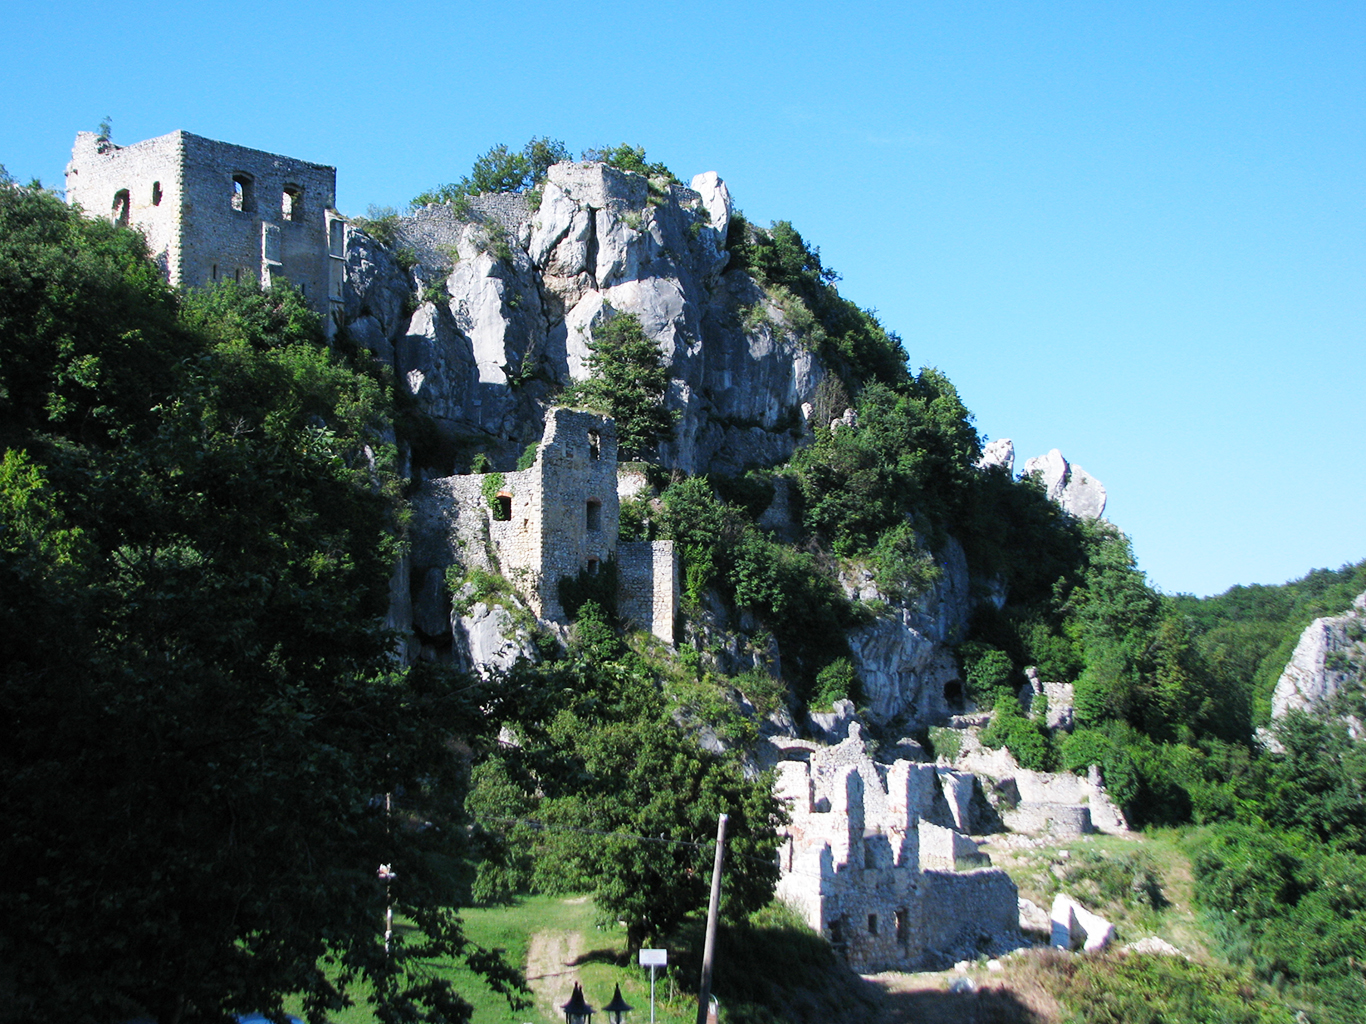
{"x":704,"y":991}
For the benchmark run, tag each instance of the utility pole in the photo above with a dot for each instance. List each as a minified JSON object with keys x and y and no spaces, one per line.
{"x":704,"y":991}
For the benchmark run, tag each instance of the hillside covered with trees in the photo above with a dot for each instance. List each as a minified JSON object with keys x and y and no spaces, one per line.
{"x":213,"y":746}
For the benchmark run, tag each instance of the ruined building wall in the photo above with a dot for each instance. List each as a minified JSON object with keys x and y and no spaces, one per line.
{"x":213,"y":211}
{"x":866,"y":867}
{"x":647,"y":585}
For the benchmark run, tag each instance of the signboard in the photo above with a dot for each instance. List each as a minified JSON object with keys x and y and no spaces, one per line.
{"x":654,"y":958}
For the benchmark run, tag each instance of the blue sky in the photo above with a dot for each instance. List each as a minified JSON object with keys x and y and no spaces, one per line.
{"x":1133,"y":232}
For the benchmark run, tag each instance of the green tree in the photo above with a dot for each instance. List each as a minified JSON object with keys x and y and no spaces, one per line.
{"x":191,"y":773}
{"x":630,"y":383}
{"x":502,"y":170}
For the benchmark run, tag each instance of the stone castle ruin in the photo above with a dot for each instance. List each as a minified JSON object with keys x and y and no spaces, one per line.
{"x":877,"y":861}
{"x":553,"y":521}
{"x":212,"y":211}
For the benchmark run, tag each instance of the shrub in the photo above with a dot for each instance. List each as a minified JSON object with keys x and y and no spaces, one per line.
{"x":836,"y":681}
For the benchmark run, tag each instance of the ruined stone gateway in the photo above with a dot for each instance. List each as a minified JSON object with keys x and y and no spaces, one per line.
{"x":876,"y":860}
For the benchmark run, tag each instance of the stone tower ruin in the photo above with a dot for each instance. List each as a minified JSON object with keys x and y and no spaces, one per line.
{"x":212,"y":211}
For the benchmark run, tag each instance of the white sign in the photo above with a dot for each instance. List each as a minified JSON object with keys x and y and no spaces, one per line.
{"x":654,"y":958}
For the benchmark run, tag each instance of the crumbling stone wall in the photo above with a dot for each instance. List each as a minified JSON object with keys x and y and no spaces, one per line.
{"x":867,"y":867}
{"x":213,"y":211}
{"x":554,"y":520}
{"x":647,"y":585}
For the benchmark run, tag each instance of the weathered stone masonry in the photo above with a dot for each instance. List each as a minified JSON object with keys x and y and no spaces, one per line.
{"x":872,"y":862}
{"x":212,"y":211}
{"x":552,"y":521}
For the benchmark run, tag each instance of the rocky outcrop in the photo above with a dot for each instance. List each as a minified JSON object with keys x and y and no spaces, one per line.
{"x":1329,"y":660}
{"x":903,"y":657}
{"x":1075,"y":490}
{"x":513,"y":295}
{"x":998,"y":454}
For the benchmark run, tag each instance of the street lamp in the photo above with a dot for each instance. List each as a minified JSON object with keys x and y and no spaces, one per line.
{"x":577,"y":1011}
{"x":617,"y":1009}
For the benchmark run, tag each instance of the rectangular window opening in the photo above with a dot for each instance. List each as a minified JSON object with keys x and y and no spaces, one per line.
{"x":594,"y":514}
{"x":243,"y":193}
{"x":901,"y":932}
{"x":292,"y":202}
{"x":872,"y":924}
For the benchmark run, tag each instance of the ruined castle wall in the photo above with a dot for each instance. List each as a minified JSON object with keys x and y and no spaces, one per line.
{"x":213,"y":211}
{"x":254,"y":233}
{"x":647,"y":585}
{"x":578,"y":498}
{"x":1061,"y":820}
{"x":149,"y":173}
{"x":961,"y":905}
{"x":943,"y":849}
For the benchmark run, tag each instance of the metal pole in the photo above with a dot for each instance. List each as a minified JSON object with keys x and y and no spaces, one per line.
{"x":704,"y":992}
{"x":652,"y":994}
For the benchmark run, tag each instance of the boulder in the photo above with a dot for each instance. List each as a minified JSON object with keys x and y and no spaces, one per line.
{"x":1076,"y":928}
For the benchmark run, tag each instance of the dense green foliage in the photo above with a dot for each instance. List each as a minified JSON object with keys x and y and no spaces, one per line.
{"x":626,"y":157}
{"x":603,"y":793}
{"x":201,"y":704}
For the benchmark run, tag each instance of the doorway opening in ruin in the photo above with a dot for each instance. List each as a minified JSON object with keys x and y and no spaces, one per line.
{"x":502,"y":507}
{"x":594,"y":516}
{"x":243,"y":193}
{"x":121,"y":202}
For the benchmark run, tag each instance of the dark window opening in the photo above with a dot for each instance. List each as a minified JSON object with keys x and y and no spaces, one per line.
{"x":214,"y":276}
{"x":595,"y":515}
{"x":594,"y":444}
{"x":237,"y":275}
{"x":243,"y":193}
{"x":121,"y":207}
{"x":901,"y":932}
{"x":837,"y":931}
{"x":336,"y":238}
{"x":872,"y":924}
{"x":592,"y":567}
{"x":156,"y":193}
{"x":869,"y":855}
{"x":502,"y":507}
{"x":292,"y":203}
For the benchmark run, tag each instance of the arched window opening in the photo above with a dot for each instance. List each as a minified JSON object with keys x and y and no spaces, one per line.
{"x":292,"y":202}
{"x":121,"y":207}
{"x":243,"y":193}
{"x":502,"y":507}
{"x":156,"y":193}
{"x":594,"y":514}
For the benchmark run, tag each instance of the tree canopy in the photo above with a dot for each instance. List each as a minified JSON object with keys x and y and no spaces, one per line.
{"x":197,"y":527}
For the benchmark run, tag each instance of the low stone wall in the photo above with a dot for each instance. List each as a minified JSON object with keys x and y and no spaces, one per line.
{"x":647,"y":585}
{"x":943,"y":849}
{"x":960,"y":906}
{"x":1060,"y":820}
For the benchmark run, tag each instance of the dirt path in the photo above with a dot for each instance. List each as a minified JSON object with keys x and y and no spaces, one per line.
{"x":550,"y":969}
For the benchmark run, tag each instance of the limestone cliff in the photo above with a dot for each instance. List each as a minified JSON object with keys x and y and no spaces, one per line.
{"x":1329,"y":662}
{"x":497,"y":313}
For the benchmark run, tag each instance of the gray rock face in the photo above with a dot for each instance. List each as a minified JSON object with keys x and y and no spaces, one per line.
{"x":1000,"y":452}
{"x":528,"y":288}
{"x":1075,"y":490}
{"x":903,"y":657}
{"x":488,"y":639}
{"x":1330,"y":659}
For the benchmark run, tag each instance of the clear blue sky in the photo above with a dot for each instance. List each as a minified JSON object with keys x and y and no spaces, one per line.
{"x":1133,"y":232}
